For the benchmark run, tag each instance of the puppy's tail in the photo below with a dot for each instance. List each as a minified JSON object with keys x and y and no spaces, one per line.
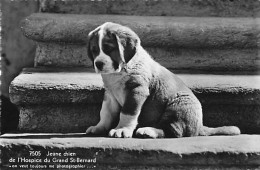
{"x":224,"y":130}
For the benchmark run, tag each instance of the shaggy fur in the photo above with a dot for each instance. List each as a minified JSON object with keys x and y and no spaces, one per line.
{"x":142,"y":97}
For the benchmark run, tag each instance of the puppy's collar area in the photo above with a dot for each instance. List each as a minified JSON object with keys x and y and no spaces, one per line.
{"x":123,"y":66}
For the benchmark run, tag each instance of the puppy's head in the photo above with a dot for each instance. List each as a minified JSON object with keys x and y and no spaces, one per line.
{"x":111,"y":46}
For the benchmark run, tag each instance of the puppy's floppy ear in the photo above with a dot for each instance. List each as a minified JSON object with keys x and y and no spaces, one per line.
{"x":93,"y":38}
{"x":89,"y":53}
{"x":127,"y":43}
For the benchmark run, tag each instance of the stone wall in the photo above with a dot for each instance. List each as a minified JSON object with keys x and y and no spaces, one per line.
{"x":17,"y":51}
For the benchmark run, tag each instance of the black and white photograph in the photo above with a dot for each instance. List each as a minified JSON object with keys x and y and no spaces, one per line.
{"x":130,"y":84}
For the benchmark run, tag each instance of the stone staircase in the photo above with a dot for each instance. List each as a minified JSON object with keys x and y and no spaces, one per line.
{"x":217,"y":57}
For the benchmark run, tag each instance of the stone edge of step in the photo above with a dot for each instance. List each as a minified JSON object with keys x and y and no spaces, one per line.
{"x":241,"y":150}
{"x":79,"y":86}
{"x":159,"y":7}
{"x":189,"y":32}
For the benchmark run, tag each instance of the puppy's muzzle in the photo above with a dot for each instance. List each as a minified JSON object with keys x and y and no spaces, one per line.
{"x":99,"y":65}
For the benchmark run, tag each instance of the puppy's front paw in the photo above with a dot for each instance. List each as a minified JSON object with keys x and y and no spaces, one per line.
{"x":97,"y":130}
{"x":121,"y":133}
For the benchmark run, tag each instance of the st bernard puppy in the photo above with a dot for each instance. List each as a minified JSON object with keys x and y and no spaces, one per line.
{"x":142,"y":98}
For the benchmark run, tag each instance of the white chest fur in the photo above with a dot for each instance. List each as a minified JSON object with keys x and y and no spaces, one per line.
{"x":115,"y":84}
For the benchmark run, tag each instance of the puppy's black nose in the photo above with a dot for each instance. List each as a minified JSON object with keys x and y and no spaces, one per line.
{"x":99,"y":65}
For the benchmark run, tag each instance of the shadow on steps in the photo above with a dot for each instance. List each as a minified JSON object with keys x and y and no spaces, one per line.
{"x":46,"y":135}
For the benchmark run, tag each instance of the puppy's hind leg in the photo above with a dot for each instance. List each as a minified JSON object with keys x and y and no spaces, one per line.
{"x":182,"y":117}
{"x":150,"y":132}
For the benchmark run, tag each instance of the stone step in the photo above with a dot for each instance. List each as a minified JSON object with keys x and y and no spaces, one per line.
{"x":205,"y":8}
{"x":180,"y":43}
{"x":189,"y":32}
{"x":62,"y":100}
{"x":215,"y":152}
